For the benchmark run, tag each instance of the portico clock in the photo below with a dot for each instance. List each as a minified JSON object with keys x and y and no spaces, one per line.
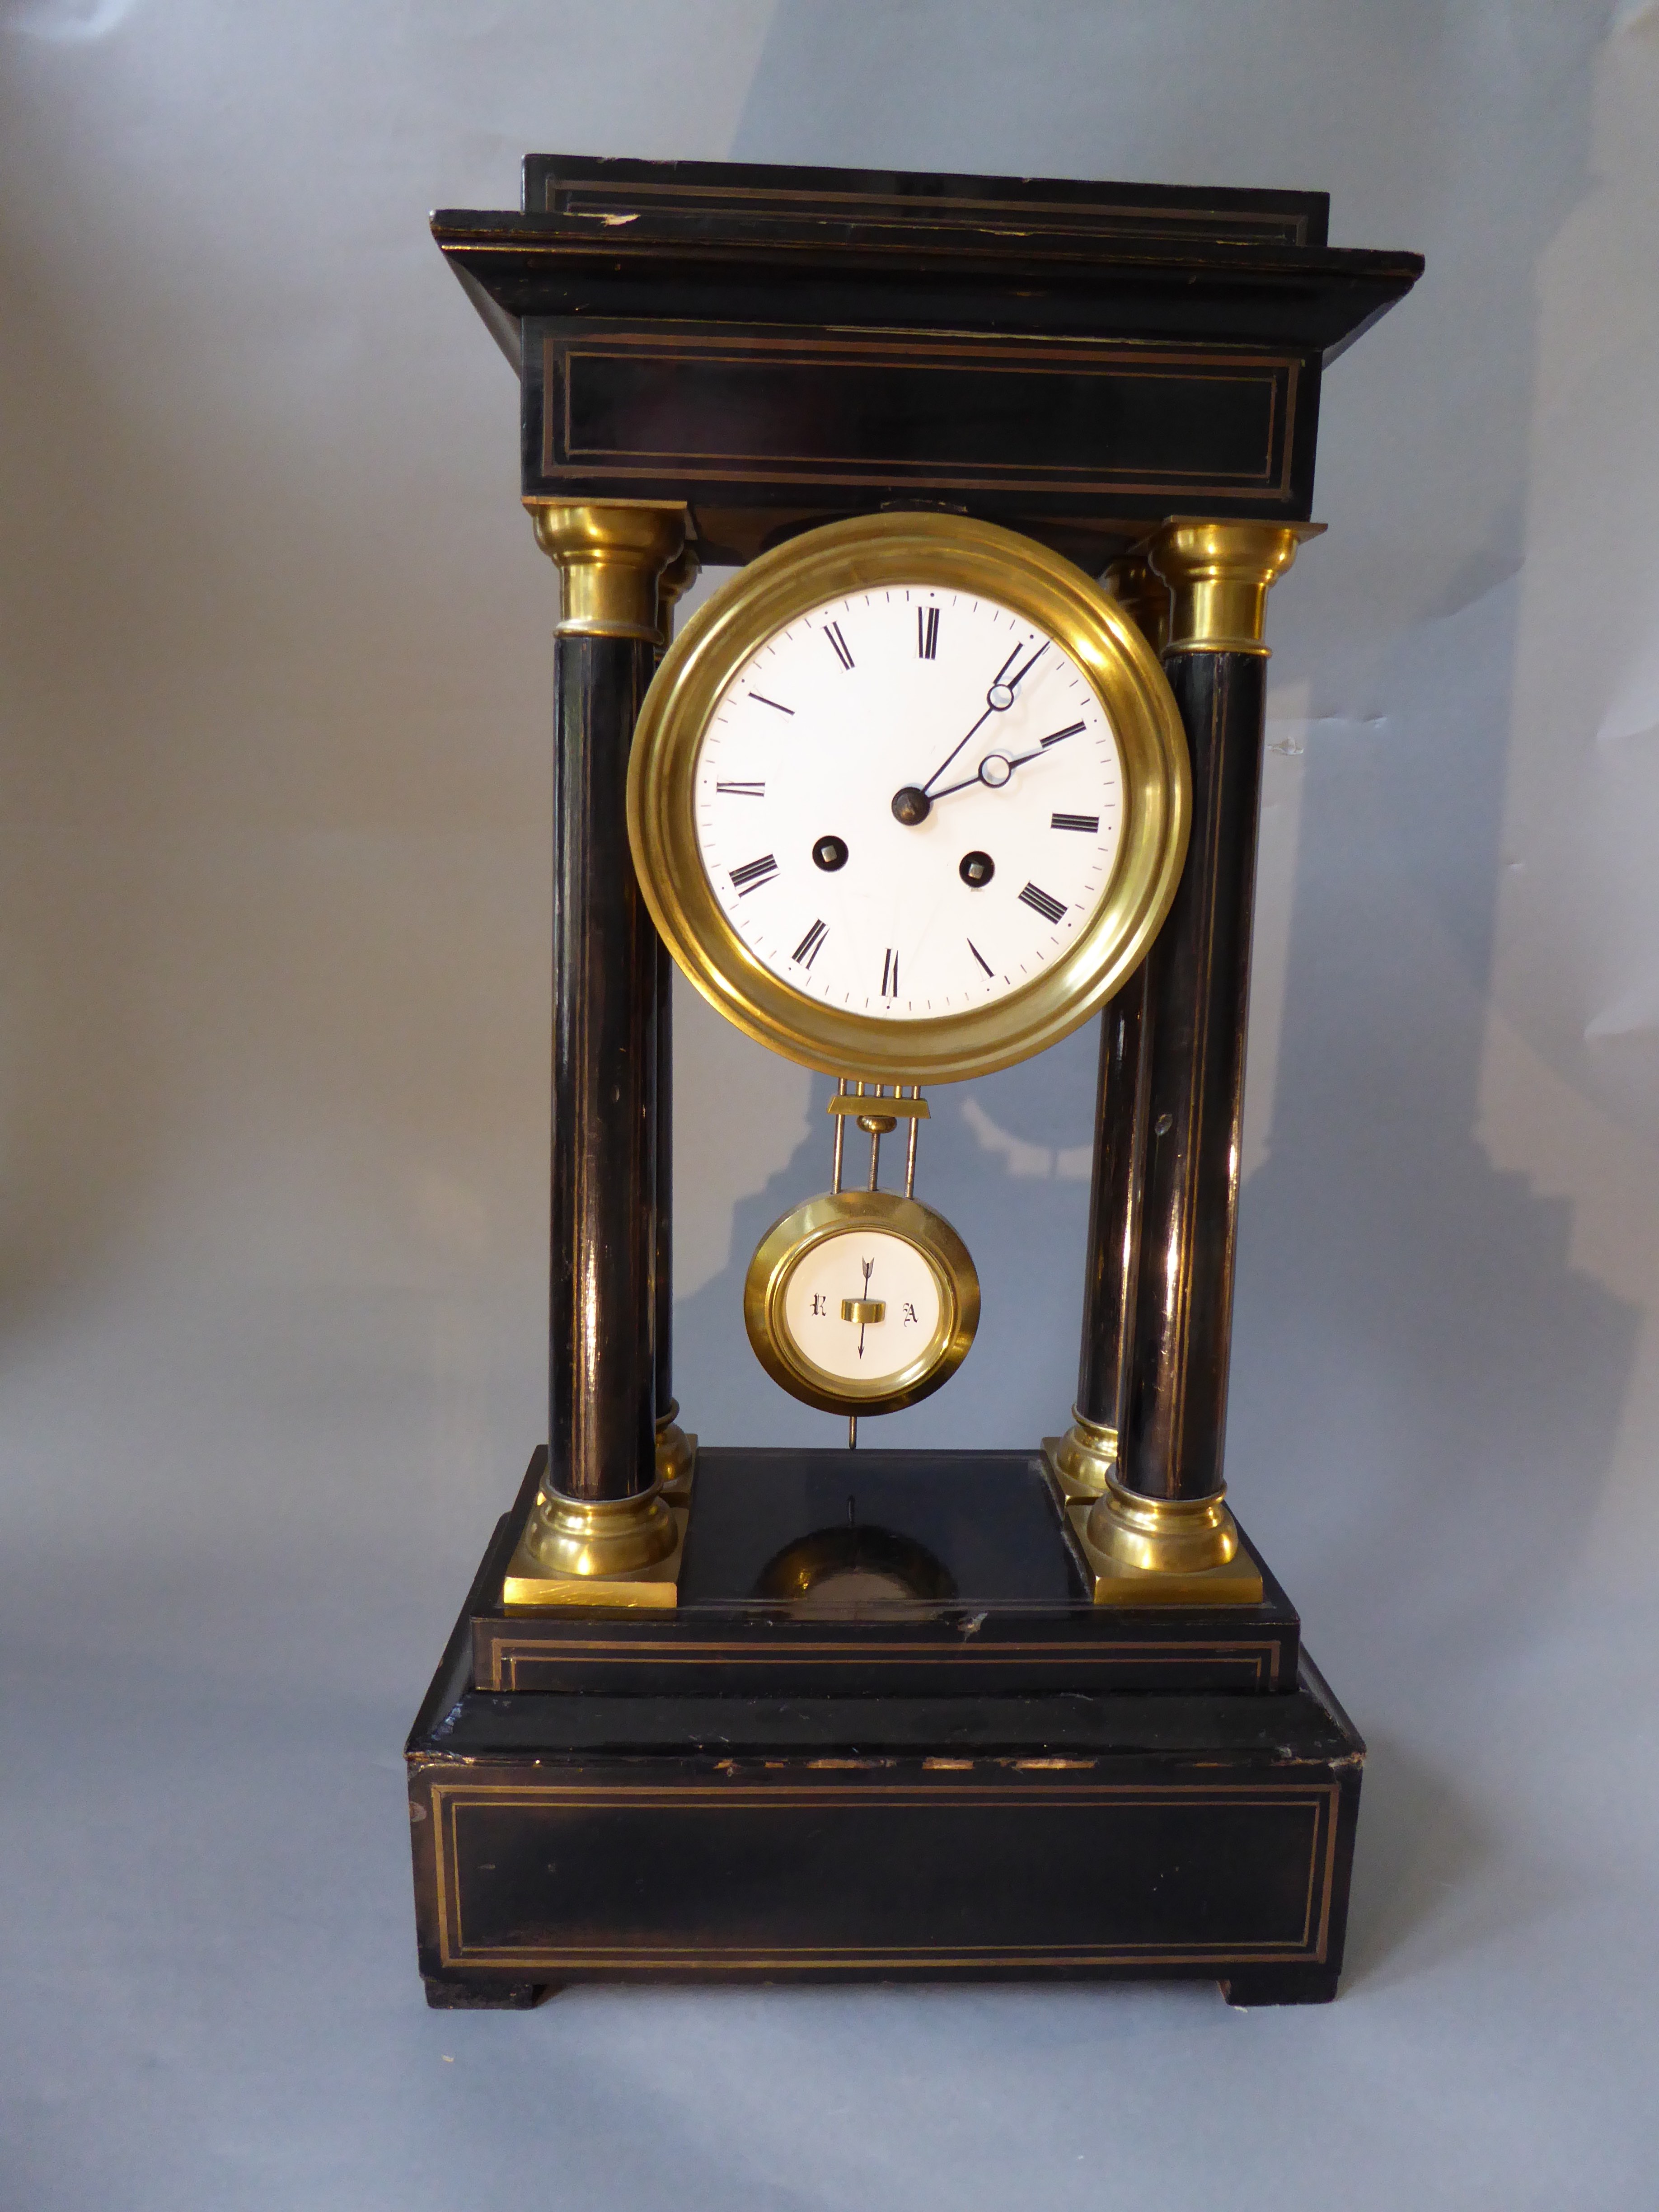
{"x":966,"y":748}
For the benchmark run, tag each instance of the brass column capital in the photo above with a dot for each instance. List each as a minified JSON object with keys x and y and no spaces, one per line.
{"x":611,"y":556}
{"x":1220,"y":575}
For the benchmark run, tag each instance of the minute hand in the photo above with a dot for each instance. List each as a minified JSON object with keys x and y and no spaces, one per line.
{"x":1008,"y":762}
{"x":997,"y":700}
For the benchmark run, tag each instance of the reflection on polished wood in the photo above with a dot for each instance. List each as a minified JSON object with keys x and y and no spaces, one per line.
{"x":676,"y":1452}
{"x":1144,"y":597}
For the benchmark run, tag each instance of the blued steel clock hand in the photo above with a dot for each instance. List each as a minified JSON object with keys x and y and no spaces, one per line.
{"x":912,"y":801}
{"x":995,"y":768}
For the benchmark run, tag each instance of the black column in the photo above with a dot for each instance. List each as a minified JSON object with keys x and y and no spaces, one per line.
{"x":1173,"y":1400}
{"x":664,"y":1148}
{"x":605,"y":995}
{"x":1087,"y":1454}
{"x":1114,"y":1204}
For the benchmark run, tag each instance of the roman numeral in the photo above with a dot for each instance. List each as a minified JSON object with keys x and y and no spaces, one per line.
{"x":1043,"y":903}
{"x":981,"y":958}
{"x":1075,"y":729}
{"x":838,"y":644}
{"x":807,"y":950}
{"x":752,"y":874}
{"x":927,"y":632}
{"x":890,"y":974}
{"x":758,"y":791}
{"x":1088,"y":822}
{"x":772,"y":703}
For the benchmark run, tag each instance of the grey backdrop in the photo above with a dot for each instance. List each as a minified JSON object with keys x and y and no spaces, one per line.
{"x":274,"y":904}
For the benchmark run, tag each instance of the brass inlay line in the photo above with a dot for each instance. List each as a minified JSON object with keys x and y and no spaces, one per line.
{"x":510,"y":1677}
{"x":1268,"y":371}
{"x":1322,"y":1799}
{"x":1060,"y":1647}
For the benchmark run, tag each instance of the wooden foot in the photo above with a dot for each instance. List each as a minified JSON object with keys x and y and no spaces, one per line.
{"x":444,"y":1995}
{"x":1279,"y":1986}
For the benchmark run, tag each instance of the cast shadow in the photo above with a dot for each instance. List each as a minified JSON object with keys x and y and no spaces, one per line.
{"x":1004,"y":1160}
{"x":1430,"y":1883}
{"x":1426,"y":1394}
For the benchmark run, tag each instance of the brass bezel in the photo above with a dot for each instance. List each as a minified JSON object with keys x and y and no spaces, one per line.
{"x":837,"y":1213}
{"x":948,"y":552}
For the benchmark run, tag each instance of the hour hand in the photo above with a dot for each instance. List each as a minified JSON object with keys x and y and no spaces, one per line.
{"x":916,"y":798}
{"x":995,"y":770}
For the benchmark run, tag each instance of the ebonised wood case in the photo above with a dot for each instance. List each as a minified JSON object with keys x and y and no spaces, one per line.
{"x":998,"y":1778}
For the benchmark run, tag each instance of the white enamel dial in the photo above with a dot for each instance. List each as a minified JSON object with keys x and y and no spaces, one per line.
{"x":908,"y":802}
{"x":862,"y":1305}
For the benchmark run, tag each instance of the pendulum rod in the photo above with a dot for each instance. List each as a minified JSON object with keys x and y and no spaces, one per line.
{"x":877,"y":1116}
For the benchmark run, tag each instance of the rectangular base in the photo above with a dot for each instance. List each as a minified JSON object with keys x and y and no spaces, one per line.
{"x":1002,"y":1605}
{"x":755,"y":1833}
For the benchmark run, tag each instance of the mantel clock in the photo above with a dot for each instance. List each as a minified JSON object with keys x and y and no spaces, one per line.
{"x":964,"y":753}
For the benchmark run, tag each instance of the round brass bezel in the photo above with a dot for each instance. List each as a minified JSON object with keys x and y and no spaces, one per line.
{"x":947,"y":552}
{"x":840,"y":1213}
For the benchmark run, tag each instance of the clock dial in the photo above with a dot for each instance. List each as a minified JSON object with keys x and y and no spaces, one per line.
{"x":908,"y":797}
{"x":908,"y":802}
{"x":861,"y":1306}
{"x":860,"y":1301}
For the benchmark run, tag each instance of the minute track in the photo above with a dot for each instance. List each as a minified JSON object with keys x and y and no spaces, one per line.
{"x":917,"y":927}
{"x":886,"y":901}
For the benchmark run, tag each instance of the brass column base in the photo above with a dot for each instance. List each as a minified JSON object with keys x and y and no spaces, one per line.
{"x":623,"y":1553}
{"x":1081,"y":1463}
{"x":1149,"y":1551}
{"x":677,"y":1455}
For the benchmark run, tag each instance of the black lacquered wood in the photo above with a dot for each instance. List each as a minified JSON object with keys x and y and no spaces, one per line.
{"x":741,"y":1831}
{"x":1114,"y":1199}
{"x":604,"y":1289}
{"x":1002,"y":1612}
{"x":1173,"y":1412}
{"x":893,"y":205}
{"x":663,"y":1142}
{"x":776,"y":347}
